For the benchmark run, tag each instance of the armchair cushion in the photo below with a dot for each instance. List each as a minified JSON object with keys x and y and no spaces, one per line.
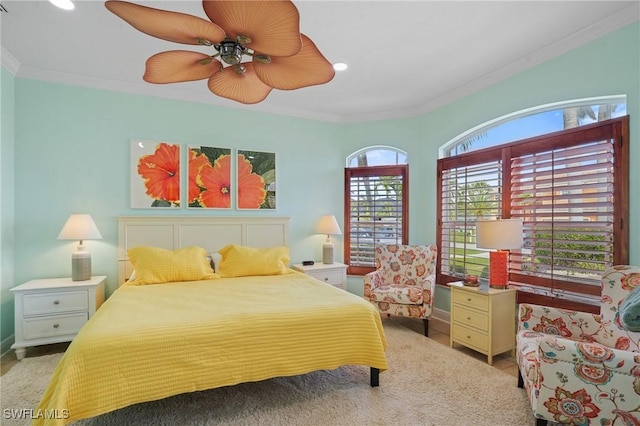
{"x":404,"y":295}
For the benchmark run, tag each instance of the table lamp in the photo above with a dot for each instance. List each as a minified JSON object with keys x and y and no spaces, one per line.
{"x":80,"y":227}
{"x":502,"y":235}
{"x":328,"y":225}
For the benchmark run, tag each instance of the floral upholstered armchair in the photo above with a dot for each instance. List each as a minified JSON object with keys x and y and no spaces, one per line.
{"x":404,"y":281}
{"x":582,"y":369}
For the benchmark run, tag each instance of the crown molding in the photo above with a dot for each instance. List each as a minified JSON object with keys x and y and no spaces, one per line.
{"x":8,"y":61}
{"x":612,"y":23}
{"x":619,"y":20}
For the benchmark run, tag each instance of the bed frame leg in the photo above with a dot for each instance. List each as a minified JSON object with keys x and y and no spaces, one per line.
{"x":375,"y":377}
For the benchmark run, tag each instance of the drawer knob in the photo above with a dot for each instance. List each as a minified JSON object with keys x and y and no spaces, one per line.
{"x":469,"y":318}
{"x":56,"y":325}
{"x":468,"y":299}
{"x":326,"y":279}
{"x":56,"y":302}
{"x":468,"y":337}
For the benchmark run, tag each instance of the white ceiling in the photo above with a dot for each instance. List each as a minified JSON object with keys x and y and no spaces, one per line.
{"x":405,"y":57}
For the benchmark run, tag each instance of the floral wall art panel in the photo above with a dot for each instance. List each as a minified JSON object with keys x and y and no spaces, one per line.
{"x":155,"y":174}
{"x":256,"y":180}
{"x":209,"y":183}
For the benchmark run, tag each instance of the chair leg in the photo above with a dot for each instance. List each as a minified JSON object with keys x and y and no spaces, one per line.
{"x":520,"y":380}
{"x":426,"y":327}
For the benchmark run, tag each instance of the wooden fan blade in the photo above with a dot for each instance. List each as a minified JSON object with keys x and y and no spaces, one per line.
{"x":172,"y":26}
{"x":175,"y":66}
{"x":308,"y":68}
{"x":272,"y":25}
{"x":245,"y":88}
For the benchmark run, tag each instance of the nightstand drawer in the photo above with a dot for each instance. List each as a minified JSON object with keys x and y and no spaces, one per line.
{"x":470,"y":337}
{"x":55,"y":325}
{"x":470,"y":299}
{"x":51,"y":303}
{"x":471,"y":318}
{"x":329,"y":277}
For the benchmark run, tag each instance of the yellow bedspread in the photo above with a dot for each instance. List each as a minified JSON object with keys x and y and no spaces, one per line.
{"x":150,"y":342}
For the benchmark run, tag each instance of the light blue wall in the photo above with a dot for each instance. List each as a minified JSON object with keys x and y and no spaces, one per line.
{"x":7,"y":97}
{"x":72,"y":153}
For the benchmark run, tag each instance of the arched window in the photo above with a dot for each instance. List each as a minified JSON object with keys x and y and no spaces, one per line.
{"x":376,"y":204}
{"x":563,"y":170}
{"x":380,"y":155}
{"x":536,"y":121}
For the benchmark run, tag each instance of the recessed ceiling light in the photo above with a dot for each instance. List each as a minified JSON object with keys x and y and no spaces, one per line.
{"x":340,"y":66}
{"x":63,"y":4}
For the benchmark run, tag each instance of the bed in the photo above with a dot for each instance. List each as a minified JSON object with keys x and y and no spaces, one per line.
{"x":149,"y":342}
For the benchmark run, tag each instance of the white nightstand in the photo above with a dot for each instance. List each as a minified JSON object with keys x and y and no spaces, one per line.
{"x":53,"y":310}
{"x":331,"y":273}
{"x":483,"y":319}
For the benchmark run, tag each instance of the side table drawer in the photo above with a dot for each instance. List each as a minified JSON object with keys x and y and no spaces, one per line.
{"x":470,"y":337}
{"x":468,"y":317}
{"x":51,"y":303}
{"x":329,"y":277}
{"x":472,"y":300}
{"x":55,"y":325}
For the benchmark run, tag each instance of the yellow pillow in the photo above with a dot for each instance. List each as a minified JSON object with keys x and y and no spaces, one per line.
{"x":154,"y":265}
{"x":241,"y":261}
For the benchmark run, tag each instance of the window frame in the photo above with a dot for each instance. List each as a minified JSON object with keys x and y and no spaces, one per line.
{"x":401,"y":170}
{"x":616,"y":129}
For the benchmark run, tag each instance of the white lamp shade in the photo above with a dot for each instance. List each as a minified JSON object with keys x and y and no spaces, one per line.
{"x":80,"y":227}
{"x":504,"y":234}
{"x":328,"y":225}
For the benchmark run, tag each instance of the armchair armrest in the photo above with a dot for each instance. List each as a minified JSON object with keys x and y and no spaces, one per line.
{"x":586,"y":357}
{"x":565,"y":323}
{"x":428,"y":282}
{"x":374,"y":279}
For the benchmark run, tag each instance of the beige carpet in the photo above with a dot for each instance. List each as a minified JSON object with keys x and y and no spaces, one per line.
{"x":427,"y":384}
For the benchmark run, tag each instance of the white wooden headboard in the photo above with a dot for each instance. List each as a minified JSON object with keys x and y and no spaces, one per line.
{"x":210,"y":233}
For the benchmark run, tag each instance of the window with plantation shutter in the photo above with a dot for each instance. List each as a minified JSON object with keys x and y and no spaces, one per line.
{"x":565,"y":198}
{"x":469,"y":192}
{"x":570,"y":188}
{"x":376,"y":212}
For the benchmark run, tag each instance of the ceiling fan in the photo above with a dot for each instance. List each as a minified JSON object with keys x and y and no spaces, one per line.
{"x":264,"y":32}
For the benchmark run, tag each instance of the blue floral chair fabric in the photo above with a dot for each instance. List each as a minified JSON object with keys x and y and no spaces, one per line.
{"x":578,"y":368}
{"x":404,"y":281}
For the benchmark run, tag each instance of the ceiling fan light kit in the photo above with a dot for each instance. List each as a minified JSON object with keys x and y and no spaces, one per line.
{"x":258,"y":46}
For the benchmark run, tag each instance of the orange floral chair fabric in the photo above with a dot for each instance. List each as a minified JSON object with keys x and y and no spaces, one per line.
{"x":578,"y":368}
{"x":404,"y":281}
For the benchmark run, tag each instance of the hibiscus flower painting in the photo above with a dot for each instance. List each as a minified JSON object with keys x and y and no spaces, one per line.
{"x":209,"y":183}
{"x":155,"y":174}
{"x":256,"y":180}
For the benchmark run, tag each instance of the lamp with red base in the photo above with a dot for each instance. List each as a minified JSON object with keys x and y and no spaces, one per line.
{"x":502,"y":235}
